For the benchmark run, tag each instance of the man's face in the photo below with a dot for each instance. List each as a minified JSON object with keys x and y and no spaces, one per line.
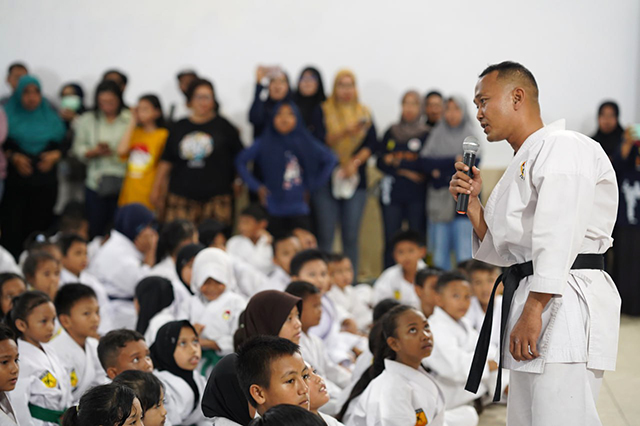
{"x":134,"y":356}
{"x":15,"y":75}
{"x":495,"y":107}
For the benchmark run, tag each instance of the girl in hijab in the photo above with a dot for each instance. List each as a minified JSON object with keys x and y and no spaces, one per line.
{"x":223,"y":398}
{"x":402,"y":194}
{"x":309,"y":98}
{"x":176,"y":353}
{"x":33,"y":150}
{"x":154,"y":303}
{"x":610,"y":133}
{"x":272,"y":313}
{"x":292,"y":162}
{"x":352,"y":137}
{"x":448,"y":232}
{"x":184,"y":263}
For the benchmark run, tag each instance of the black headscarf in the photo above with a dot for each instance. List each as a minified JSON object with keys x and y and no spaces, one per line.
{"x":185,"y":255}
{"x":223,"y":396}
{"x":308,"y":104}
{"x":153,"y":294}
{"x":162,"y":354}
{"x":610,"y":141}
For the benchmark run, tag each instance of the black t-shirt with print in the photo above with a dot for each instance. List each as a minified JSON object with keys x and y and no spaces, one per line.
{"x":202,"y":158}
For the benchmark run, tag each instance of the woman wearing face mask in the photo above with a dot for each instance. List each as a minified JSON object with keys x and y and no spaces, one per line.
{"x":293,"y":163}
{"x":33,"y":149}
{"x":98,"y":134}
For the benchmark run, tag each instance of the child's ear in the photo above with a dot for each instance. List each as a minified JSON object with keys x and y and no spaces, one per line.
{"x":21,"y":325}
{"x":418,"y":291}
{"x":112,"y":372}
{"x":65,"y":320}
{"x":423,"y":252}
{"x":258,"y":394}
{"x":393,"y":344}
{"x":438,"y":299}
{"x":263,"y":223}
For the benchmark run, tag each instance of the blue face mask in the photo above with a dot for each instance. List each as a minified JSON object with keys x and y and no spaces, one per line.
{"x":71,"y":102}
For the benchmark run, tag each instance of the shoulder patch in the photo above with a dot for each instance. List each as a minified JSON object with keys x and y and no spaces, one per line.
{"x":74,"y":378}
{"x":421,"y":418}
{"x":48,"y":379}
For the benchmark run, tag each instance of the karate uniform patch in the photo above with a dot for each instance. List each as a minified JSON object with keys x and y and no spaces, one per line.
{"x":74,"y":378}
{"x":522,"y":169}
{"x":397,"y":295}
{"x":226,"y":315}
{"x":421,"y":418}
{"x":48,"y":380}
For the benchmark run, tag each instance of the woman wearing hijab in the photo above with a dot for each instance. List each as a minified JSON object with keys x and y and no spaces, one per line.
{"x":154,"y":303}
{"x":33,"y":151}
{"x":352,"y":137}
{"x":292,"y":162}
{"x":610,"y":133}
{"x":271,"y":313}
{"x":272,"y":86}
{"x":176,"y":353}
{"x":448,"y":232}
{"x":223,"y":400}
{"x":309,"y":98}
{"x":402,"y":194}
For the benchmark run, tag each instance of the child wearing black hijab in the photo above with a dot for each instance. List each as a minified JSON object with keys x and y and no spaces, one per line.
{"x":176,"y":354}
{"x":223,"y":399}
{"x":309,"y":97}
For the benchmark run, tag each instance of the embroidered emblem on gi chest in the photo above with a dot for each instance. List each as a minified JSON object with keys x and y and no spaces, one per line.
{"x":421,"y":418}
{"x":74,"y":378}
{"x":397,"y":295}
{"x":48,"y":380}
{"x":226,"y":315}
{"x":522,"y":169}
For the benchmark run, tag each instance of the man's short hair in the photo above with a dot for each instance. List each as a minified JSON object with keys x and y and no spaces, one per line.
{"x":410,"y":236}
{"x":433,"y":93}
{"x":69,"y":295}
{"x":255,"y":358}
{"x":509,"y":70}
{"x":17,"y":65}
{"x":111,"y":343}
{"x":302,"y":289}
{"x":304,"y":257}
{"x":448,"y":277}
{"x":424,"y":273}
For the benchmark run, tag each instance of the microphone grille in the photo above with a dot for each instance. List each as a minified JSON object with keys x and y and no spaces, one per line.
{"x":470,"y":144}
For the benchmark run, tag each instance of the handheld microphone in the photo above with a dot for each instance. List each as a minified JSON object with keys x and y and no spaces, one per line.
{"x":470,"y":148}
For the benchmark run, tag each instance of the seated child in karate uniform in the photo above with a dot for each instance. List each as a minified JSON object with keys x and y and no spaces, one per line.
{"x":176,"y":354}
{"x":213,"y":284}
{"x":344,"y":295}
{"x":105,"y":405}
{"x":77,"y":346}
{"x":397,"y":281}
{"x":482,"y":276}
{"x":285,"y":247}
{"x":455,"y":341}
{"x":253,"y":243}
{"x":155,"y":304}
{"x":425,"y":287}
{"x":313,"y":348}
{"x":43,"y":383}
{"x":8,"y":374}
{"x":74,"y":264}
{"x":150,"y":391}
{"x":11,"y":285}
{"x":288,"y":415}
{"x":123,"y":349}
{"x":42,"y":273}
{"x":397,"y":389}
{"x":319,"y":396}
{"x":184,"y":266}
{"x":271,"y":372}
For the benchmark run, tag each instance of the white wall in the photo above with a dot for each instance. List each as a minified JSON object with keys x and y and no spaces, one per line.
{"x":581,"y":52}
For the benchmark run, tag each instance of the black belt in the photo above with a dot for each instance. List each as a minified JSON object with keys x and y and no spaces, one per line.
{"x":124,"y":299}
{"x":511,"y":278}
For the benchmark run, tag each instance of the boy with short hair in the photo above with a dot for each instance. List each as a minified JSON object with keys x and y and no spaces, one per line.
{"x":77,"y":345}
{"x":482,"y":277}
{"x":313,"y":348}
{"x":425,"y":287}
{"x":271,"y":372}
{"x":123,"y":349}
{"x":348,"y":298}
{"x":285,"y":247}
{"x":451,"y":358}
{"x":397,"y":281}
{"x":253,"y":244}
{"x":74,"y":270}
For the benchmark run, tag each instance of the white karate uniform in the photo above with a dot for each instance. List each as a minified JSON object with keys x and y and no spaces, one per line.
{"x":167,"y":269}
{"x":402,"y":395}
{"x":118,"y":266}
{"x":220,"y":319}
{"x":557,"y":198}
{"x":392,"y":285}
{"x":222,"y":421}
{"x":454,"y":344}
{"x":93,"y":247}
{"x":82,"y":365}
{"x":260,"y":254}
{"x":278,"y":279}
{"x":67,"y":277}
{"x":8,"y":263}
{"x":7,"y":412}
{"x":249,"y":280}
{"x":180,"y":399}
{"x":349,"y":300}
{"x":330,"y":421}
{"x":42,"y":381}
{"x":168,"y":314}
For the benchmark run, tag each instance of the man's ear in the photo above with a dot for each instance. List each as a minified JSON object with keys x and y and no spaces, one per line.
{"x":21,"y":325}
{"x":518,"y":97}
{"x":65,"y":320}
{"x":393,"y":344}
{"x":258,"y":394}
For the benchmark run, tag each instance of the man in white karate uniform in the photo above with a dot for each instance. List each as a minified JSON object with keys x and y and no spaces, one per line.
{"x":550,"y":219}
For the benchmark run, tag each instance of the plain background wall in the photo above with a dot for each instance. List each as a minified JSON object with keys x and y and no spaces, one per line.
{"x":581,"y":52}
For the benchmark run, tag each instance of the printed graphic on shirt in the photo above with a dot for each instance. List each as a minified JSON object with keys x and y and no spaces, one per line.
{"x":140,"y":161}
{"x":421,"y":418}
{"x":74,"y":378}
{"x":48,"y":380}
{"x":195,"y":148}
{"x":522,"y":169}
{"x":414,"y":144}
{"x":631,"y":196}
{"x":226,"y":315}
{"x":292,"y":172}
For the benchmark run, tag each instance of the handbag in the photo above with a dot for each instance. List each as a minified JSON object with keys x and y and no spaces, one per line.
{"x":109,"y":186}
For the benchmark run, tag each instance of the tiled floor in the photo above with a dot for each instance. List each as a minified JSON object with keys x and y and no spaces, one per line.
{"x":619,"y":403}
